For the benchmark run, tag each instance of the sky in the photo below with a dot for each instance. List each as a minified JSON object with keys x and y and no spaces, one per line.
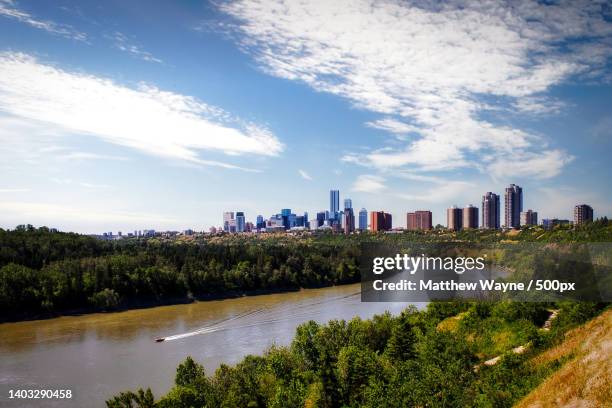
{"x":121,"y":116}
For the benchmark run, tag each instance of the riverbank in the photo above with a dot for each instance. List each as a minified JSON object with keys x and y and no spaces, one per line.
{"x":152,"y":303}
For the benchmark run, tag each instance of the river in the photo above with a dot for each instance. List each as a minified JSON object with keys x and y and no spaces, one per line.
{"x":99,"y":355}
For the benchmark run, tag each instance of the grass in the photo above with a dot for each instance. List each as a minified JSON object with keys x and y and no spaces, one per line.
{"x":585,"y":380}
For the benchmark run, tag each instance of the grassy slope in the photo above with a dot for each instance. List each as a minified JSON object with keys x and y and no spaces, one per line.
{"x":586,"y":379}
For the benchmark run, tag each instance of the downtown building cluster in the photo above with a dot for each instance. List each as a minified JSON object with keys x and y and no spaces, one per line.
{"x":344,"y":219}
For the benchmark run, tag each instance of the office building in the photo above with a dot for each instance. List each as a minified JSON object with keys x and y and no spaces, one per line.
{"x":490,"y":211}
{"x":228,"y":220}
{"x":454,"y":218}
{"x":514,"y":206}
{"x":380,"y":221}
{"x":261,"y":224}
{"x":348,"y":203}
{"x":418,"y":220}
{"x":334,"y":203}
{"x":529,"y":217}
{"x":582,"y":214}
{"x":470,"y":217}
{"x":240,"y":222}
{"x":321,"y":217}
{"x":349,"y":220}
{"x":363,"y":219}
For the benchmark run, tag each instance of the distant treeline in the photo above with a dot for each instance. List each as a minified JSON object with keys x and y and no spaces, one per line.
{"x":43,"y":271}
{"x":48,"y":272}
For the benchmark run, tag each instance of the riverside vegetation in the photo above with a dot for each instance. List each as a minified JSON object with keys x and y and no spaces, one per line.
{"x":417,"y":359}
{"x":425,"y":358}
{"x":45,"y":273}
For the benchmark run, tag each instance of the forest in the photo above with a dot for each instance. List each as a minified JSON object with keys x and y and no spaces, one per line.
{"x":44,"y":272}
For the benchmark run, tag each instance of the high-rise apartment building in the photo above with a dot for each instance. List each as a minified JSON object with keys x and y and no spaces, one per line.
{"x":470,"y":217}
{"x":380,"y":221}
{"x":363,"y":219}
{"x":454,"y":218}
{"x":334,"y":203}
{"x":514,"y":206}
{"x":582,"y":214}
{"x":529,"y":217}
{"x":418,"y":220}
{"x":490,"y":211}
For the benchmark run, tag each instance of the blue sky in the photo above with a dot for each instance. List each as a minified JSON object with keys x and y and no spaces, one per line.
{"x":132,"y":115}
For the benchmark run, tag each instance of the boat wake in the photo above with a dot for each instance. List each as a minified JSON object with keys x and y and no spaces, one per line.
{"x":258,"y":317}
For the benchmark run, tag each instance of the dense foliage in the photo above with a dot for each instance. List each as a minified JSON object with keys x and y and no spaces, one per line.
{"x":46,"y":272}
{"x":412,"y":360}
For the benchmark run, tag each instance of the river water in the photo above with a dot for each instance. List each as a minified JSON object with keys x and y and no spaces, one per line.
{"x":98,"y":355}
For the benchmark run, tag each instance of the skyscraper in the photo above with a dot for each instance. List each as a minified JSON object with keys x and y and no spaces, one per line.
{"x":261,"y":224}
{"x":320,"y":219}
{"x":348,"y":203}
{"x":418,"y":220}
{"x":470,"y":217}
{"x":583,"y":213}
{"x":363,"y":219}
{"x":334,"y":203}
{"x":514,"y":205}
{"x":529,"y":217}
{"x":490,"y":211}
{"x":380,"y":221}
{"x":228,"y":220}
{"x":240,"y":222}
{"x":349,"y":221}
{"x":454,"y":218}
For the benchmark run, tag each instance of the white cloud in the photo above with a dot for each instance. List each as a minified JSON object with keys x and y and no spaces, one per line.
{"x":540,"y":166}
{"x":425,"y":66}
{"x":393,"y":126}
{"x":368,"y":183}
{"x":8,"y":8}
{"x":124,"y":44}
{"x":76,"y":155}
{"x":304,"y":175}
{"x":153,"y":121}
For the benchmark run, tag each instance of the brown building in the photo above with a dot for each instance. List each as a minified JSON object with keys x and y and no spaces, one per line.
{"x":583,"y":213}
{"x":418,"y":220}
{"x":470,"y":217}
{"x":380,"y":221}
{"x":454,"y":218}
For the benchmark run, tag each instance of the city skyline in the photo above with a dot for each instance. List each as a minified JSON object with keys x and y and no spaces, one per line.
{"x":129,"y":128}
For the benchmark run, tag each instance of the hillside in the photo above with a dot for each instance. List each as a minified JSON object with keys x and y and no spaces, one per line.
{"x":585,"y":380}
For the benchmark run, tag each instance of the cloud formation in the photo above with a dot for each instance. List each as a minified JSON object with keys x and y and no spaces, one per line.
{"x":124,"y":44}
{"x":369,"y":183}
{"x":145,"y":118}
{"x":9,"y":9}
{"x":432,"y":69}
{"x":304,"y":175}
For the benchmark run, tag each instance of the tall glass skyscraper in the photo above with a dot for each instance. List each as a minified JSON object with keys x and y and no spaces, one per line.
{"x":334,"y":203}
{"x":514,"y":206}
{"x":348,"y":203}
{"x":240,"y":222}
{"x":363,"y":219}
